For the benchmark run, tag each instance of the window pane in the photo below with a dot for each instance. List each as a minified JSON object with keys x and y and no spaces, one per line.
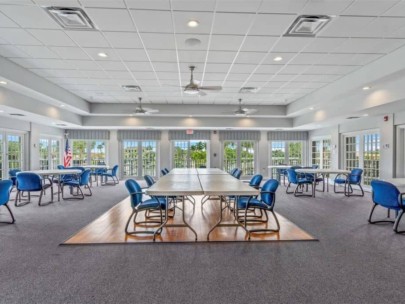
{"x":198,"y":154}
{"x":55,"y":153}
{"x":278,"y":153}
{"x":14,"y":151}
{"x":79,"y":152}
{"x":149,"y":158}
{"x":130,"y":158}
{"x":97,"y":152}
{"x":352,"y":152}
{"x":44,"y":154}
{"x":295,"y":153}
{"x":316,"y":152}
{"x":230,"y":156}
{"x":371,"y":157}
{"x":180,"y":154}
{"x":247,"y":157}
{"x":326,"y":154}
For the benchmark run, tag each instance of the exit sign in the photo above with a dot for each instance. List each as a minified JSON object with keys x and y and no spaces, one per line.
{"x":189,"y":132}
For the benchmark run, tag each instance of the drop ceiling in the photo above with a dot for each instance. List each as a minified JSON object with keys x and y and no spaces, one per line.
{"x":145,"y":44}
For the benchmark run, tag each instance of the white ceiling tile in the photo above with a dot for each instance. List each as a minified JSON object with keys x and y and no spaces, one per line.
{"x":132,"y":54}
{"x":237,"y":76}
{"x":348,"y":59}
{"x":250,"y":57}
{"x":18,"y":36}
{"x":307,"y":58}
{"x":158,"y":41}
{"x":38,"y":51}
{"x":217,"y":67}
{"x":345,"y":26}
{"x":243,"y":68}
{"x":106,"y":19}
{"x":70,"y":53}
{"x":324,"y":45}
{"x":65,"y":73}
{"x":93,"y":53}
{"x":64,"y":3}
{"x":397,"y":10}
{"x":119,"y":75}
{"x":269,"y":69}
{"x":258,"y":43}
{"x":400,"y":33}
{"x":52,"y":64}
{"x":182,"y":18}
{"x":271,"y":24}
{"x":29,"y":16}
{"x":103,"y":3}
{"x":367,"y":45}
{"x":12,"y":51}
{"x":112,"y":65}
{"x":380,"y":27}
{"x":138,"y":66}
{"x":52,"y":37}
{"x":148,"y":4}
{"x":181,"y":42}
{"x":124,"y":39}
{"x":230,"y":23}
{"x":238,"y":6}
{"x":6,"y":22}
{"x":283,"y":78}
{"x":286,"y":57}
{"x":162,"y":55}
{"x":214,"y":76}
{"x":326,"y":7}
{"x":193,"y":5}
{"x":144,"y":75}
{"x":387,"y":45}
{"x":165,"y":66}
{"x":369,"y":7}
{"x":24,"y":62}
{"x":94,"y":74}
{"x":192,"y":56}
{"x":84,"y":65}
{"x":226,"y":42}
{"x":221,"y":57}
{"x":292,"y":44}
{"x":42,"y":72}
{"x":282,"y":6}
{"x":153,"y":21}
{"x":331,"y":69}
{"x":88,"y":38}
{"x":294,"y":69}
{"x":316,"y":78}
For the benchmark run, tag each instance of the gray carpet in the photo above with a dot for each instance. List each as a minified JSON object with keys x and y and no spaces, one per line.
{"x":353,"y":262}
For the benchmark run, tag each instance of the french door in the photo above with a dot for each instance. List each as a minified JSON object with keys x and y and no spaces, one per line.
{"x":240,"y":154}
{"x":49,"y":153}
{"x":363,"y":151}
{"x":12,"y":152}
{"x":139,"y":158}
{"x":189,"y":154}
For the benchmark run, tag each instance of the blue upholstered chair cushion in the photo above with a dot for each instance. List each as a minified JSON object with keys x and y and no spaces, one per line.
{"x":5,"y":187}
{"x":386,"y":194}
{"x":28,"y":181}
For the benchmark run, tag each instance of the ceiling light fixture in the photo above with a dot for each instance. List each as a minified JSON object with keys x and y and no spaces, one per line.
{"x":102,"y":55}
{"x":62,"y":105}
{"x":366,"y":88}
{"x":1,"y":111}
{"x":311,"y":108}
{"x":3,"y":82}
{"x":193,"y":23}
{"x":365,"y":114}
{"x":278,"y":58}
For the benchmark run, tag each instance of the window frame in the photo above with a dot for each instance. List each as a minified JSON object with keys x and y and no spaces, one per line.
{"x":50,"y":138}
{"x":239,"y":152}
{"x":88,"y":150}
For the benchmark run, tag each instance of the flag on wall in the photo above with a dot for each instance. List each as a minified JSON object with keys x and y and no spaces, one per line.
{"x":67,"y":155}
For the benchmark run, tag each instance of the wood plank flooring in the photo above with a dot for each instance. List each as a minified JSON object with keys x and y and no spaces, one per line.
{"x":109,"y":227}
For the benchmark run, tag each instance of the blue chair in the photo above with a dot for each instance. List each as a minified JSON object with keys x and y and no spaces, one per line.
{"x":293,"y":178}
{"x":5,"y":189}
{"x":354,"y":178}
{"x":13,"y":177}
{"x":265,"y":203}
{"x":83,"y":181}
{"x":312,"y":176}
{"x":138,"y":205}
{"x":388,"y":196}
{"x":232,"y":172}
{"x":254,"y":182}
{"x":166,"y":170}
{"x":150,"y":181}
{"x":163,"y":171}
{"x":112,"y":173}
{"x":31,"y":182}
{"x":281,"y":173}
{"x":237,"y":174}
{"x":96,"y":174}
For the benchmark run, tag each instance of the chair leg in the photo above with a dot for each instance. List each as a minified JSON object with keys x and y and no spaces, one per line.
{"x":379,"y":221}
{"x":11,"y":214}
{"x":286,"y":190}
{"x":40,"y":197}
{"x":401,"y":213}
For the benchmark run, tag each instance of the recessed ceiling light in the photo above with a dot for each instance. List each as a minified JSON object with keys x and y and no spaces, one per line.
{"x":193,"y":23}
{"x":62,"y":105}
{"x":102,"y":55}
{"x":1,"y":111}
{"x":190,"y":116}
{"x":311,"y":108}
{"x":16,"y":114}
{"x":365,"y":114}
{"x":278,"y":58}
{"x":3,"y":82}
{"x":366,"y":88}
{"x":192,"y":42}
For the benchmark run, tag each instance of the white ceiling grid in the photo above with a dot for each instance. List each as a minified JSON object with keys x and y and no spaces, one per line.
{"x":145,"y":43}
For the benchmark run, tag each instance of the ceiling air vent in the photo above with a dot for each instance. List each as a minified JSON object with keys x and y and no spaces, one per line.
{"x":16,"y":114}
{"x":352,"y":117}
{"x":248,"y":90}
{"x":307,"y":25}
{"x":132,"y":88}
{"x":72,"y":18}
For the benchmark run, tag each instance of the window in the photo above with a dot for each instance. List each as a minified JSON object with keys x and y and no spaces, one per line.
{"x":363,"y":151}
{"x":190,"y":154}
{"x":89,"y":152}
{"x":278,"y":153}
{"x":287,"y":152}
{"x":11,"y":152}
{"x":139,"y":158}
{"x":49,"y":153}
{"x":240,"y":154}
{"x":321,"y":154}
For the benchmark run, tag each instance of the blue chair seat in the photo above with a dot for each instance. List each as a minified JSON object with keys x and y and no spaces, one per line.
{"x":254,"y":202}
{"x":304,"y":181}
{"x":340,"y":181}
{"x":72,"y":182}
{"x":153,"y":203}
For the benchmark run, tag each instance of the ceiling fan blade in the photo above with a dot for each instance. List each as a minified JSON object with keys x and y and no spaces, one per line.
{"x":211,"y":88}
{"x":201,"y":93}
{"x":149,"y":110}
{"x":250,"y":111}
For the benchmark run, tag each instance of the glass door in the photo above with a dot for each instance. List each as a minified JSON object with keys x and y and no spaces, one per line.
{"x":130,"y":158}
{"x":11,"y":153}
{"x":239,"y":154}
{"x":139,"y":158}
{"x":2,"y":175}
{"x":190,"y":154}
{"x":230,"y":156}
{"x":149,"y":158}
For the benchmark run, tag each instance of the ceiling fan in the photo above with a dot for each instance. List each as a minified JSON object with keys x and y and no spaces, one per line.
{"x":243,"y":111}
{"x":193,"y":87}
{"x":144,"y":111}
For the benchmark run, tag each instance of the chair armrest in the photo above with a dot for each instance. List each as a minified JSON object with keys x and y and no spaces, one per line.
{"x":135,"y":193}
{"x":401,"y":200}
{"x":342,"y":174}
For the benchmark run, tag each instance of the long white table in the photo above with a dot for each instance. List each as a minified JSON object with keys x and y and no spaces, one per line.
{"x":55,"y":173}
{"x":94,"y":168}
{"x":325,"y":173}
{"x":187,"y":182}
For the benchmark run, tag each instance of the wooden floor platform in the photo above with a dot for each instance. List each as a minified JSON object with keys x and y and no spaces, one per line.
{"x":109,"y":227}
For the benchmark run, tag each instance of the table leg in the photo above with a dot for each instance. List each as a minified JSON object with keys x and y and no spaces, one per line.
{"x":220,"y":217}
{"x":59,"y":187}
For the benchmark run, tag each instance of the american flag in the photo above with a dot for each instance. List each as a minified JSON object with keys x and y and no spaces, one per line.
{"x":67,"y":155}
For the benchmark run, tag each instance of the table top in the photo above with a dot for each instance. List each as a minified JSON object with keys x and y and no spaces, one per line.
{"x":213,"y":171}
{"x":190,"y":171}
{"x":322,"y":171}
{"x":95,"y":166}
{"x":54,"y":172}
{"x":176,"y":184}
{"x":279,"y":167}
{"x":398,"y":181}
{"x":219,"y":184}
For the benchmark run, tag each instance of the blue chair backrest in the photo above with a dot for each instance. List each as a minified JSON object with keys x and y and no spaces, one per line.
{"x":76,"y":168}
{"x":292,"y":176}
{"x":232,"y":172}
{"x":166,"y":170}
{"x":85,"y":177}
{"x":315,"y":166}
{"x":270,"y":185}
{"x":13,"y":172}
{"x":149,"y":180}
{"x":60,"y":167}
{"x":163,"y":172}
{"x":355,"y":176}
{"x":384,"y":193}
{"x":296,"y":167}
{"x":28,"y":181}
{"x":133,"y":187}
{"x":114,"y":170}
{"x":5,"y":187}
{"x":256,"y":180}
{"x":238,"y":173}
